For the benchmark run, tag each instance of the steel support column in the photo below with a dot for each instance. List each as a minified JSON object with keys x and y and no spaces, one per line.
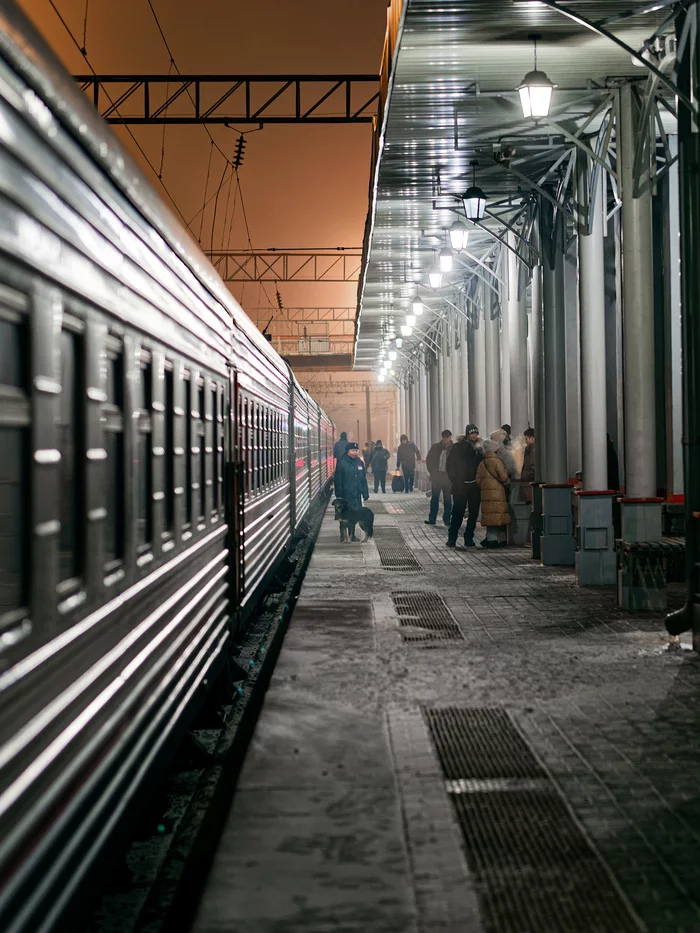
{"x":424,"y":425}
{"x":434,"y":401}
{"x":504,"y":414}
{"x":517,"y":335}
{"x":478,"y":362}
{"x":537,"y":359}
{"x":689,"y":197}
{"x":448,"y":350}
{"x":591,"y":283}
{"x":493,"y":408}
{"x":441,"y":387}
{"x":638,"y":306}
{"x":554,"y":339}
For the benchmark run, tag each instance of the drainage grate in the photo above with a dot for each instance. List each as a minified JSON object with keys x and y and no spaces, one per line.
{"x":480,"y":743}
{"x":424,"y":617}
{"x":393,"y":551}
{"x":534,"y":867}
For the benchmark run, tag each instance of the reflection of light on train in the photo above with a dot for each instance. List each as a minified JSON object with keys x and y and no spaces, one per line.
{"x":157,"y":458}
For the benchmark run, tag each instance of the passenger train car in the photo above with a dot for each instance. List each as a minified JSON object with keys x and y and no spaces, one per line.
{"x":156,"y":459}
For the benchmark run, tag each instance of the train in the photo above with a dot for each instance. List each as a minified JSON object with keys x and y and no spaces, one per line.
{"x":157,"y":460}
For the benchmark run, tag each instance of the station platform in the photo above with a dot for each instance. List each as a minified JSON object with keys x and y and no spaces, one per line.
{"x":463,"y":740}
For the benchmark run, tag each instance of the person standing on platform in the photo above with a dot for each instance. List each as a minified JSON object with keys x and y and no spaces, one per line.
{"x":407,"y":455}
{"x":462,"y":463}
{"x":492,"y":479}
{"x":379,"y":461}
{"x":500,"y":438}
{"x":367,"y":452}
{"x":350,"y":481}
{"x":527,"y":474}
{"x":340,"y":447}
{"x":436,"y":462}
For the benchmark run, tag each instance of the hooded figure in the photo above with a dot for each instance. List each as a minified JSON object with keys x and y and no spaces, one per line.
{"x":500,"y":438}
{"x":492,"y":479}
{"x":340,"y":447}
{"x":367,"y":452}
{"x":379,"y":461}
{"x":407,"y":455}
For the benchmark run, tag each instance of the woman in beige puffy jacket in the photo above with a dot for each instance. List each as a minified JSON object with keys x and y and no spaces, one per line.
{"x":492,"y":479}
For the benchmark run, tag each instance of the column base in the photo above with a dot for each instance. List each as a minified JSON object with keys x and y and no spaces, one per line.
{"x":557,"y":539}
{"x":536,"y":521}
{"x":520,"y":512}
{"x":596,"y":561}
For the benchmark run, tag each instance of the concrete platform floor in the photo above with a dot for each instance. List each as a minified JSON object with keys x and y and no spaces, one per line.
{"x":343,"y":819}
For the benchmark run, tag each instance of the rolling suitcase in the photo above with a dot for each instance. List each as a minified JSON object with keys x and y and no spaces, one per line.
{"x":397,"y":484}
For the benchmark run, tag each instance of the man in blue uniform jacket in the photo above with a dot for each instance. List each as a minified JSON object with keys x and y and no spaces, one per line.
{"x":351,"y":481}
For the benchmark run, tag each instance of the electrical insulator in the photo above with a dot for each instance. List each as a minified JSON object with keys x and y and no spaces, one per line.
{"x":279,"y":300}
{"x":240,"y":152}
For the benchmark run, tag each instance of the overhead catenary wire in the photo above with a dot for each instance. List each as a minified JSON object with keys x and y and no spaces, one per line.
{"x":126,"y":127}
{"x":206,"y":188}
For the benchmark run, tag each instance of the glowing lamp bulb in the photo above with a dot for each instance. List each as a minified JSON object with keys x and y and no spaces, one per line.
{"x":392,"y":355}
{"x":406,"y":330}
{"x":417,"y":306}
{"x":435,"y":278}
{"x":459,"y":235}
{"x":446,"y":260}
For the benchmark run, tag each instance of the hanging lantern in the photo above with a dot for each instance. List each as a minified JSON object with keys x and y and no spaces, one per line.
{"x":459,"y":236}
{"x":535,"y":91}
{"x":417,"y":306}
{"x":435,"y":277}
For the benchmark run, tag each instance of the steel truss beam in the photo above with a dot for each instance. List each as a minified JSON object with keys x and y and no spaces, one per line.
{"x":268,"y":266}
{"x":259,"y":99}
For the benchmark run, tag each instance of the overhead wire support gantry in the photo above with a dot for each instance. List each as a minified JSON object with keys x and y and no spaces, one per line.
{"x":235,"y":99}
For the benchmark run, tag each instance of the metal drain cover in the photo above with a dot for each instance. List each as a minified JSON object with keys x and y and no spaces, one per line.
{"x":534,"y":868}
{"x":394,"y":554}
{"x":424,"y":617}
{"x":480,"y":743}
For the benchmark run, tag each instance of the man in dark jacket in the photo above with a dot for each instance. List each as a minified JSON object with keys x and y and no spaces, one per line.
{"x":340,"y":447}
{"x":462,"y":464}
{"x":350,"y":481}
{"x":407,"y":455}
{"x":527,"y":474}
{"x":436,"y":462}
{"x":379,"y":461}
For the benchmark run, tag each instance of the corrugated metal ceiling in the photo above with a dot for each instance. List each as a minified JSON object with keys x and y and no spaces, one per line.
{"x":452,"y":58}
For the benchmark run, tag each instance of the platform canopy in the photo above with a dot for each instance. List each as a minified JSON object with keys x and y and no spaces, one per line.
{"x":451,"y":113}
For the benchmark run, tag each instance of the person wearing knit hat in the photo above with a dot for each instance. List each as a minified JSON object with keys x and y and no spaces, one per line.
{"x":462,"y":463}
{"x":350,"y":481}
{"x":379,"y":462}
{"x":500,"y":437}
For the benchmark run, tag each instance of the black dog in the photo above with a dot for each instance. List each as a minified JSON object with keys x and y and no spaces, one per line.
{"x":348,"y":516}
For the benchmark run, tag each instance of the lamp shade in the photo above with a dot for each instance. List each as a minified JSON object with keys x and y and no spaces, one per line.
{"x":459,"y":235}
{"x":474,"y":203}
{"x":392,"y":355}
{"x":536,"y":94}
{"x":411,"y":320}
{"x":435,"y":277}
{"x":381,"y":377}
{"x":399,"y":343}
{"x":417,"y":306}
{"x":406,"y":331}
{"x":446,"y":259}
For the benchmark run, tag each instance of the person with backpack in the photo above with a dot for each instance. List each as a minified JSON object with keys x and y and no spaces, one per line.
{"x":379,"y":462}
{"x":407,"y":455}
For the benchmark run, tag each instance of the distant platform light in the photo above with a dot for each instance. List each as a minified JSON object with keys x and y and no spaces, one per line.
{"x":474,"y":199}
{"x":399,"y":343}
{"x":406,"y":331}
{"x":435,"y":277}
{"x":381,"y":377}
{"x":459,"y":236}
{"x":411,"y":320}
{"x":392,"y":355}
{"x":446,"y":259}
{"x":417,"y":306}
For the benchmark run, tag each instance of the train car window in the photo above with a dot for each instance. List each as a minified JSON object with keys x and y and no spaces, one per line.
{"x":202,"y":437}
{"x":144,"y":454}
{"x":70,"y":444}
{"x":14,"y":466}
{"x":169,"y":449}
{"x":256,"y":447}
{"x":215,"y":452}
{"x":221,"y":436}
{"x":113,"y":425}
{"x":187,"y":524}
